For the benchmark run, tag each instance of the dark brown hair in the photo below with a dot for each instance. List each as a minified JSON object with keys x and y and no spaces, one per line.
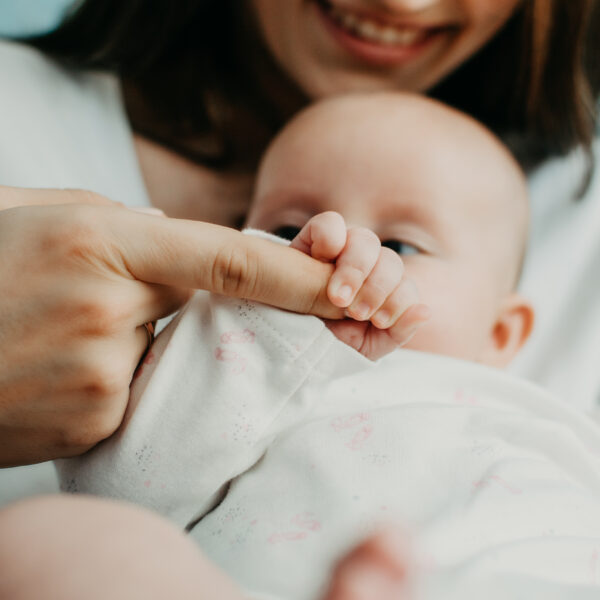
{"x":189,"y":71}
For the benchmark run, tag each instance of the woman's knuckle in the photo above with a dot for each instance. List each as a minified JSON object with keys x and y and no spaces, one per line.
{"x":97,"y":316}
{"x":83,"y":230}
{"x":105,"y":377}
{"x":74,"y":234}
{"x":104,"y":385}
{"x":234,"y":272}
{"x":105,"y":424}
{"x":91,"y":429}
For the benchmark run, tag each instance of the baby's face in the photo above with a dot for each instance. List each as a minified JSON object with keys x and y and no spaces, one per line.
{"x":433,"y":186}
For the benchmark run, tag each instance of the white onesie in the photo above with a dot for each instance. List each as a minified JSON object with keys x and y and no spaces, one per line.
{"x":279,"y":448}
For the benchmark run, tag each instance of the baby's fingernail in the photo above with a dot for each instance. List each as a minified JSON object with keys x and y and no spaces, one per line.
{"x":381,"y":319}
{"x":361,"y":312}
{"x":344,"y":293}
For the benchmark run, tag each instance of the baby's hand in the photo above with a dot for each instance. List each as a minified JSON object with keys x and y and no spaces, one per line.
{"x":368,"y":282}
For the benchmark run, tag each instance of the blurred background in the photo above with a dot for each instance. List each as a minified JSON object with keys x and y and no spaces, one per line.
{"x":26,"y":17}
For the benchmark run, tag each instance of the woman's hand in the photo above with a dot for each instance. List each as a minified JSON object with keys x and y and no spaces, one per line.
{"x":78,"y":283}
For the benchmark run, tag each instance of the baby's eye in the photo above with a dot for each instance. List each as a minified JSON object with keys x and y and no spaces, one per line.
{"x":401,"y":247}
{"x":287,"y":232}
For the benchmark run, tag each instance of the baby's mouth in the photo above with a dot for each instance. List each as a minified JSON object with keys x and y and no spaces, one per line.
{"x":376,"y":31}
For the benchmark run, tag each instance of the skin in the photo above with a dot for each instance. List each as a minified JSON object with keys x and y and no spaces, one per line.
{"x":368,"y":282}
{"x":118,"y":269}
{"x":408,"y":169}
{"x":43,"y":416}
{"x":120,"y":551}
{"x":38,"y":419}
{"x":381,"y":567}
{"x":108,"y":550}
{"x":295,"y":34}
{"x":112,"y":550}
{"x":384,"y":184}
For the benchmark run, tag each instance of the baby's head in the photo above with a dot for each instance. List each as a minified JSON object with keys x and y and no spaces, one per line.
{"x":434,"y":185}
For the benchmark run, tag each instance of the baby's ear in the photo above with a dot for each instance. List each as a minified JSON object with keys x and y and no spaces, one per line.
{"x":510,"y":331}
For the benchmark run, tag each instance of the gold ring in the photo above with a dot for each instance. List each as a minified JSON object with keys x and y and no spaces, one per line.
{"x":149,"y":327}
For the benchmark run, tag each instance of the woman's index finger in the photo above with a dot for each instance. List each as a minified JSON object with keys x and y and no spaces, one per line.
{"x":199,"y":255}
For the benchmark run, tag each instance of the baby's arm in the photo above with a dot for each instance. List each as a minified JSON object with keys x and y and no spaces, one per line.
{"x":368,"y":282}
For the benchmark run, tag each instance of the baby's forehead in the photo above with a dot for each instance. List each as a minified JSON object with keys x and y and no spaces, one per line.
{"x":403,"y":148}
{"x":403,"y":134}
{"x":390,"y":127}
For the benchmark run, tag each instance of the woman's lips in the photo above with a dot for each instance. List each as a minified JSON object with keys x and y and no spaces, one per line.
{"x":374,"y":40}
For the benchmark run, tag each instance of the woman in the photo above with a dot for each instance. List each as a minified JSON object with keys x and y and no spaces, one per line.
{"x":205,"y":85}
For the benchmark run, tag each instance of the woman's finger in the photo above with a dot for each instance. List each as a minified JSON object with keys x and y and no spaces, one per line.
{"x":80,"y":279}
{"x":154,"y":301}
{"x":11,"y":197}
{"x":119,"y":244}
{"x":191,"y":254}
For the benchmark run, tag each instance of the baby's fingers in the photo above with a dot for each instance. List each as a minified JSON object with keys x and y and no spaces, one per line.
{"x":404,"y":329}
{"x":402,"y":313}
{"x":353,"y":266}
{"x":408,"y":324}
{"x":384,"y":278}
{"x":323,"y":237}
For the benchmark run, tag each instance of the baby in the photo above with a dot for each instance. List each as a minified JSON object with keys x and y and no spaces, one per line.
{"x":437,"y":189}
{"x":278,"y":447}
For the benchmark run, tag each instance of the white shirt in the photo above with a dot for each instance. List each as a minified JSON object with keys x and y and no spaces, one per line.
{"x":64,"y":129}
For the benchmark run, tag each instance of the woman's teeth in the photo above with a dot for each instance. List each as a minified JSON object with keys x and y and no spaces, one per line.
{"x":374,"y":32}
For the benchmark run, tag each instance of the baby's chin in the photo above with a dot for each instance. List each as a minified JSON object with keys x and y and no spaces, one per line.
{"x":442,"y":347}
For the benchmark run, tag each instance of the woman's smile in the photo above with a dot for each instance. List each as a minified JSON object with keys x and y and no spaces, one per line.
{"x":377,"y":38}
{"x":329,"y":47}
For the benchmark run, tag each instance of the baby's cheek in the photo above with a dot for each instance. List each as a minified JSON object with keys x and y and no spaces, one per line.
{"x":462,"y":306}
{"x":448,"y":333}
